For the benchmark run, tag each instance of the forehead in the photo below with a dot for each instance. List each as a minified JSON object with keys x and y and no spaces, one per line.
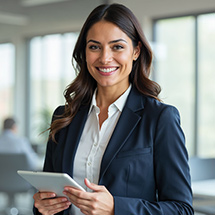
{"x":107,"y":31}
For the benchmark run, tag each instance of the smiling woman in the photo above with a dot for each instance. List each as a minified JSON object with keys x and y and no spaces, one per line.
{"x":114,"y":136}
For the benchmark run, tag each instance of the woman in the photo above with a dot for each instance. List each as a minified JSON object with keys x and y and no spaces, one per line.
{"x":114,"y":136}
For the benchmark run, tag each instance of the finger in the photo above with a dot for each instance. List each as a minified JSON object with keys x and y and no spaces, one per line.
{"x":93,"y":186}
{"x":75,"y":195}
{"x":52,"y":206}
{"x":87,"y":182}
{"x":54,"y":201}
{"x":84,"y":211}
{"x":71,"y":191}
{"x":43,"y":195}
{"x":53,"y":210}
{"x":59,"y":207}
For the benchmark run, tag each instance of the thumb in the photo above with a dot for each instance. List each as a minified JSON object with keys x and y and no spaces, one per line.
{"x":92,"y":186}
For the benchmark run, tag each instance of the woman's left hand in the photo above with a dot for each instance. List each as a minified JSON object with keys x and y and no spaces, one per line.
{"x":100,"y":201}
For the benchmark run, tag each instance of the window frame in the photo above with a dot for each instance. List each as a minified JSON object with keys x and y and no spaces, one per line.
{"x":196,"y":67}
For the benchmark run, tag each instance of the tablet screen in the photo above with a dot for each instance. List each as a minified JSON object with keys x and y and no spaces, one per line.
{"x":49,"y":181}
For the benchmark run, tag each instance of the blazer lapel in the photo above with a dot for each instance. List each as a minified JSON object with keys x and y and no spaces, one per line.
{"x":125,"y":126}
{"x":75,"y":130}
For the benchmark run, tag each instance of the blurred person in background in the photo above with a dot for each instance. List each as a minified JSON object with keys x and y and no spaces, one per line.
{"x":10,"y":142}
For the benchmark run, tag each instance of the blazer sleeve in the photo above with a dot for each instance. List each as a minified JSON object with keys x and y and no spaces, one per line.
{"x":174,"y":195}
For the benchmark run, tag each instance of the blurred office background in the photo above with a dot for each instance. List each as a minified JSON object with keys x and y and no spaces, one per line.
{"x":36,"y":43}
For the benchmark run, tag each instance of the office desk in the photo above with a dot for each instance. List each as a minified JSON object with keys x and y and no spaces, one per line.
{"x":205,"y":189}
{"x":204,"y":196}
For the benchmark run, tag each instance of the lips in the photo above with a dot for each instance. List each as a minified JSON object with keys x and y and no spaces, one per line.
{"x":107,"y":70}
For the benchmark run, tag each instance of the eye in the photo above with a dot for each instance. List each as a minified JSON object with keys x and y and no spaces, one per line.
{"x":118,"y":47}
{"x":93,"y":47}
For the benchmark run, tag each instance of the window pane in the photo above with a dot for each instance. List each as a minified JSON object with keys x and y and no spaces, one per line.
{"x":174,"y":71}
{"x":51,"y":71}
{"x":7,"y":78}
{"x":206,"y":125}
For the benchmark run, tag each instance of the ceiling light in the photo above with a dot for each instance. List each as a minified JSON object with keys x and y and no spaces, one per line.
{"x":13,"y":19}
{"x":29,"y":3}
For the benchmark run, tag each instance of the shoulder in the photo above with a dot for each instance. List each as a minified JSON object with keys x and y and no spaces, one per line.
{"x":138,"y":100}
{"x":160,"y":107}
{"x":59,"y":110}
{"x":160,"y":114}
{"x":164,"y":117}
{"x":152,"y":105}
{"x":148,"y":107}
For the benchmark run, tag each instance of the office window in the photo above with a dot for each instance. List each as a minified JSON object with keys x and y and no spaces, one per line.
{"x":184,"y":68}
{"x":206,"y":103}
{"x":50,"y":72}
{"x":7,"y":78}
{"x":174,"y":57}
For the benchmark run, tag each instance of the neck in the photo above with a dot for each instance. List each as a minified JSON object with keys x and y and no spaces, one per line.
{"x":106,"y":96}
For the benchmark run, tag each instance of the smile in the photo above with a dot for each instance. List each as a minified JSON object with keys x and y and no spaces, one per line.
{"x":107,"y":70}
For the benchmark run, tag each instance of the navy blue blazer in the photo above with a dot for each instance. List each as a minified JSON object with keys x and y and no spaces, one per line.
{"x":145,"y":165}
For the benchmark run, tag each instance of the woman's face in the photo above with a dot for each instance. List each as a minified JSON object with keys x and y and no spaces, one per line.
{"x":110,"y":55}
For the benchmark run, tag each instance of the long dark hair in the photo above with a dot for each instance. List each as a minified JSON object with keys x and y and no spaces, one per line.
{"x":80,"y":91}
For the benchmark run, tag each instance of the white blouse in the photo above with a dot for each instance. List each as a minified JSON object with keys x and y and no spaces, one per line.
{"x":94,"y":141}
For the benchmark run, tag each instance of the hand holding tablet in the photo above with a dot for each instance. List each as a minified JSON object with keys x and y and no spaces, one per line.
{"x":49,"y":181}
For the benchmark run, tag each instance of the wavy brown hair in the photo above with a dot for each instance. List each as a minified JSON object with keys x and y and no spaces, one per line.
{"x":81,"y":90}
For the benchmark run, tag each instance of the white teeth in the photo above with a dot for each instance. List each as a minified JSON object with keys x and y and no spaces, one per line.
{"x":106,"y":70}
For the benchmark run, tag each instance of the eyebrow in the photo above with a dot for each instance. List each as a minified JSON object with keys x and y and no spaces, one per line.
{"x":113,"y":41}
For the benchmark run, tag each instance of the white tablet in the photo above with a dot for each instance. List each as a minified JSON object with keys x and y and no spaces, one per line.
{"x":49,"y":181}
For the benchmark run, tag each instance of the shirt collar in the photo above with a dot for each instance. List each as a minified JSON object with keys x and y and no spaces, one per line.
{"x":119,"y":103}
{"x":93,"y":102}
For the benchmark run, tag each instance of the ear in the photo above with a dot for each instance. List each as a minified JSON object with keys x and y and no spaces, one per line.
{"x":137,"y":50}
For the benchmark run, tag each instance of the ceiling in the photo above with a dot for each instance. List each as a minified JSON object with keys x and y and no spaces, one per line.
{"x":23,"y":12}
{"x":30,"y":16}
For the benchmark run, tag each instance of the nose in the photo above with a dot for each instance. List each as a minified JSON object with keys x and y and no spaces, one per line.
{"x":105,"y":56}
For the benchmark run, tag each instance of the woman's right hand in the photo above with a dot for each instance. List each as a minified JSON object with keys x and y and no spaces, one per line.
{"x":48,"y":204}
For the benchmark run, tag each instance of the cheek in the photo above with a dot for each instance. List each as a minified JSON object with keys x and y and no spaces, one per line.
{"x":90,"y":62}
{"x":90,"y":70}
{"x":127,"y":63}
{"x":90,"y":59}
{"x":126,"y":59}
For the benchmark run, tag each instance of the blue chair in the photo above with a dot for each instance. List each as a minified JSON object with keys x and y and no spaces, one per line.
{"x":10,"y":182}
